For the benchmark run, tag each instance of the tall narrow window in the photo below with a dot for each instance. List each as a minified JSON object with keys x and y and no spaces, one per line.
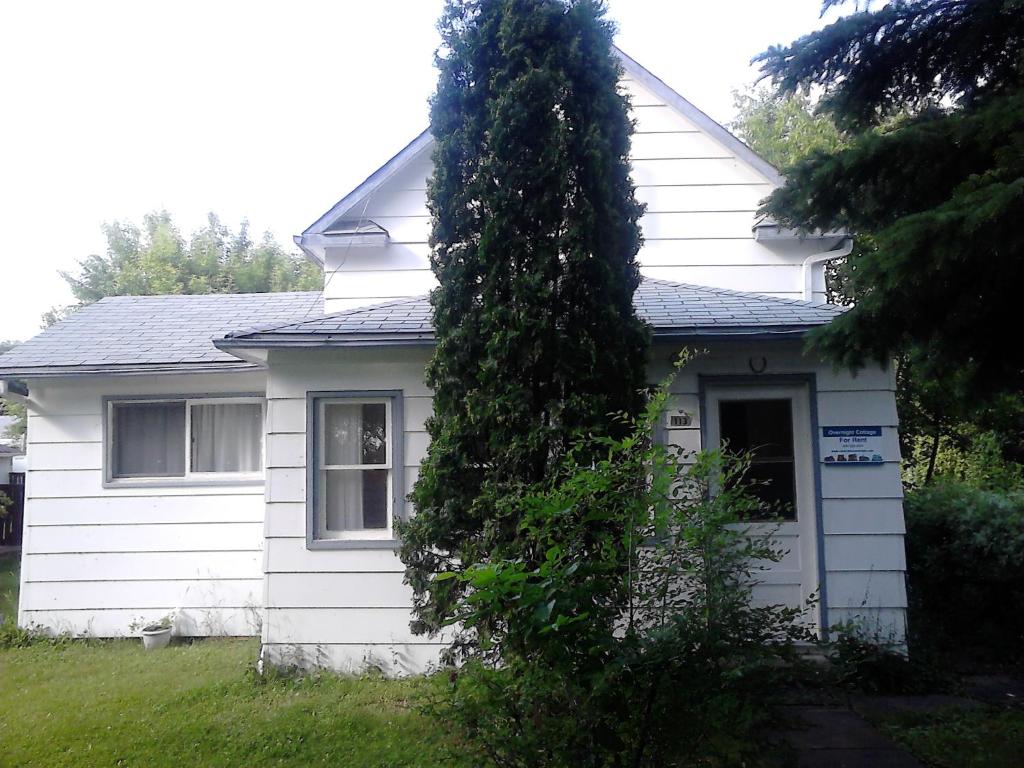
{"x":355,"y":478}
{"x":763,"y":429}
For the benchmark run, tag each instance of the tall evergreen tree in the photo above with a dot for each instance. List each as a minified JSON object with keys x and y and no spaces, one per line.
{"x":534,"y":241}
{"x":932,"y":93}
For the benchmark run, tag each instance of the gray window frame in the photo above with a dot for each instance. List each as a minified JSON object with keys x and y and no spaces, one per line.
{"x":397,"y":460}
{"x":190,"y":479}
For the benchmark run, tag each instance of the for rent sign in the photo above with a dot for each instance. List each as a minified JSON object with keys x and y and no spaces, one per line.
{"x":851,"y":446}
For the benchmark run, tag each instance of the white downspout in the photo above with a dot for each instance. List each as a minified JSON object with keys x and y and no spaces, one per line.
{"x":807,"y":268}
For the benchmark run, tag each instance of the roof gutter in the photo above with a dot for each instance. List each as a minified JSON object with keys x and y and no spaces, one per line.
{"x":740,"y":333}
{"x":74,"y":371}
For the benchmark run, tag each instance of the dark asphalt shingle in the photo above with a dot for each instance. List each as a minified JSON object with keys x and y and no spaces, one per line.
{"x":668,"y":307}
{"x":154,"y":331}
{"x":163,"y":332}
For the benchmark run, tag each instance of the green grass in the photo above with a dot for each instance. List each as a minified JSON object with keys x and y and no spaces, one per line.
{"x":10,"y":565}
{"x":112,"y":704}
{"x":987,"y":738}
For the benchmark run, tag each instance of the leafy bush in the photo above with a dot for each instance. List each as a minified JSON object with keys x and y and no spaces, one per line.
{"x":622,"y":632}
{"x":968,"y":455}
{"x":965,"y":561}
{"x":866,"y":663}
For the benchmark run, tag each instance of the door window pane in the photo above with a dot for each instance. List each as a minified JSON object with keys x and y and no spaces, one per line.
{"x":227,"y":437}
{"x":356,"y":499}
{"x":148,"y":439}
{"x":764,"y":430}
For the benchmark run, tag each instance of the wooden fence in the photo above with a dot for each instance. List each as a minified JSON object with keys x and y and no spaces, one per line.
{"x":11,"y":522}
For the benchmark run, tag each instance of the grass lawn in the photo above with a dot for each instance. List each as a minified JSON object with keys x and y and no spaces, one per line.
{"x":9,"y":568}
{"x":111,"y":704}
{"x":988,"y":738}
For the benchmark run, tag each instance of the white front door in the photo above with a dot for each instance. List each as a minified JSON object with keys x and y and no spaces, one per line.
{"x":773,"y":423}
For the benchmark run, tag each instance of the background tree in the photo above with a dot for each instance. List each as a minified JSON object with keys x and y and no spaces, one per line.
{"x":534,"y":242}
{"x":16,"y":430}
{"x":782,"y":127}
{"x":931,"y":94}
{"x":155,"y":259}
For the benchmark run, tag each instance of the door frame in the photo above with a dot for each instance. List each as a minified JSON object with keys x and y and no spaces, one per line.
{"x":786,"y":385}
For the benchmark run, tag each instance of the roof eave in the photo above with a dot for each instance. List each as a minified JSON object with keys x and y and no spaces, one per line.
{"x":371,"y":183}
{"x":133,"y":369}
{"x":314,"y":341}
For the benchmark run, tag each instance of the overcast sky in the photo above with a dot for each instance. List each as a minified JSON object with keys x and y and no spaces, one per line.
{"x":269,"y":111}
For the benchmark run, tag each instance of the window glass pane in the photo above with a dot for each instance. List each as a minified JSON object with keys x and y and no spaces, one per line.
{"x":355,"y":433}
{"x":356,"y":499}
{"x":227,"y":437}
{"x":764,"y":429}
{"x":148,"y":440}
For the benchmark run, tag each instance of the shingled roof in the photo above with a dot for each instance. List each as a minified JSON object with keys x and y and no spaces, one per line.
{"x":140,"y":334}
{"x":673,"y":309}
{"x":185,"y":334}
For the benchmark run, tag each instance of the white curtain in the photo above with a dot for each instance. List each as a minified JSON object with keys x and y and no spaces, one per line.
{"x":149,"y":439}
{"x":343,"y":497}
{"x":227,"y":437}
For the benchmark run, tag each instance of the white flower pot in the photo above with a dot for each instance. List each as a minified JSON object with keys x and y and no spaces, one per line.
{"x":156,"y":638}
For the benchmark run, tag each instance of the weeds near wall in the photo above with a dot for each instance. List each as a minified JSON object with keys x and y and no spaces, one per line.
{"x":622,"y":632}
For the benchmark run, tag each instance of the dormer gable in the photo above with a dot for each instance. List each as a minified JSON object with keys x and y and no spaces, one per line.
{"x":702,"y":187}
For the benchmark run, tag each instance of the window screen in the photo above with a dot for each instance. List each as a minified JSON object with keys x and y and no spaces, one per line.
{"x":764,"y":430}
{"x":148,"y":439}
{"x":355,"y":466}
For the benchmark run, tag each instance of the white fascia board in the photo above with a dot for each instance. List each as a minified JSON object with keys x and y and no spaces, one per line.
{"x":408,"y":153}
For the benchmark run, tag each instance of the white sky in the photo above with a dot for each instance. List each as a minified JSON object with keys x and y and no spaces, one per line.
{"x":269,"y":111}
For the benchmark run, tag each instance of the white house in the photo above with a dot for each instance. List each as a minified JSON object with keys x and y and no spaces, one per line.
{"x":207,"y":454}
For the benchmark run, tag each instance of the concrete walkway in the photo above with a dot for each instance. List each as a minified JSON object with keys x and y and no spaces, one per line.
{"x":837,"y":737}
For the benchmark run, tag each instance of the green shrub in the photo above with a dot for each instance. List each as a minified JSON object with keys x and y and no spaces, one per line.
{"x":869,"y":664}
{"x":965,"y":561}
{"x":620,"y":631}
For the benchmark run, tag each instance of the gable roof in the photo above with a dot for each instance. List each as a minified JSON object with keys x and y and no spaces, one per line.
{"x":674,"y":310}
{"x":148,"y":334}
{"x":314,"y":236}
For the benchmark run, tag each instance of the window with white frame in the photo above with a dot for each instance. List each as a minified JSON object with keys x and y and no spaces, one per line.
{"x":217,"y":438}
{"x":353,"y":469}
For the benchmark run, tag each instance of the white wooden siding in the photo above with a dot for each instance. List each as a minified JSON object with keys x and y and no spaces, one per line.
{"x":862,"y":510}
{"x":701,"y":207}
{"x":97,"y":559}
{"x":349,"y":609}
